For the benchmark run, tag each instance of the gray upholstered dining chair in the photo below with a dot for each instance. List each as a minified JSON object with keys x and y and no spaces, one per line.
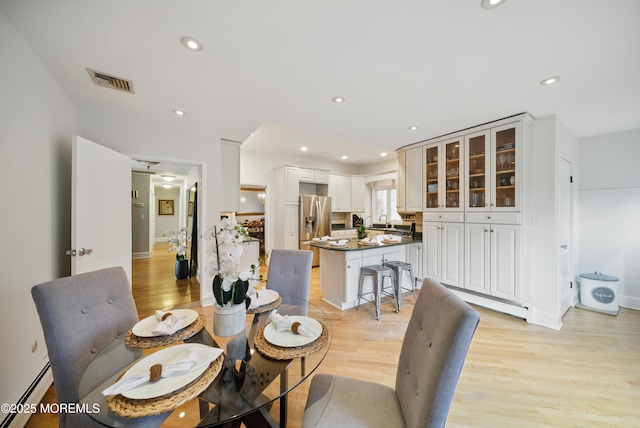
{"x":433,"y":352}
{"x":290,"y":272}
{"x":81,"y":316}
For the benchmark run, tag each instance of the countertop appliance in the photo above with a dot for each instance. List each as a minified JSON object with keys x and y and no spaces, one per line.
{"x":315,"y":222}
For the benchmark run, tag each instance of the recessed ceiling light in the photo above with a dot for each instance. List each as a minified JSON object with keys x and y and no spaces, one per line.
{"x":345,"y":157}
{"x":413,"y":128}
{"x":178,"y":112}
{"x":337,"y":100}
{"x":191,"y":44}
{"x":167,"y":186}
{"x":304,"y":149}
{"x":383,"y":154}
{"x":490,"y":4}
{"x":168,"y":177}
{"x":550,"y":80}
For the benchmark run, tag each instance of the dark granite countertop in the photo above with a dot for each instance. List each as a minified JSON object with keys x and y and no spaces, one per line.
{"x":354,"y":244}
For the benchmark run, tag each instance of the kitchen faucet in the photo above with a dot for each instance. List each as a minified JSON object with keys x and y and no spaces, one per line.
{"x":386,"y":221}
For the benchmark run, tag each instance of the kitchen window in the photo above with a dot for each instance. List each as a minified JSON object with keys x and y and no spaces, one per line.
{"x":384,"y":205}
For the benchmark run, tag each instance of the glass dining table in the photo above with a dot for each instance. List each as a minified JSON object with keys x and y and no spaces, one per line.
{"x":252,"y":375}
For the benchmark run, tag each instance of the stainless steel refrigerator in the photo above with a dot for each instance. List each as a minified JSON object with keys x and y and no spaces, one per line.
{"x":315,"y":222}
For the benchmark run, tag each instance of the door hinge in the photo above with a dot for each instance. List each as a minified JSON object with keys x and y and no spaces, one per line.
{"x":571,"y":179}
{"x":570,"y":284}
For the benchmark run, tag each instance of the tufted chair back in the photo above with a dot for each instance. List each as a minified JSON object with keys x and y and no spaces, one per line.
{"x":433,"y":352}
{"x":290,"y":272}
{"x":81,"y":316}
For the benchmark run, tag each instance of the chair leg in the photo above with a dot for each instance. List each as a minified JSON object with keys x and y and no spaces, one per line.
{"x":360,"y":289}
{"x":413,"y":284}
{"x":377,"y":289}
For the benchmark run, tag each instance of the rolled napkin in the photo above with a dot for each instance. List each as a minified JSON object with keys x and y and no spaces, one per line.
{"x":284,"y":323}
{"x":172,"y":369}
{"x":168,"y":323}
{"x":253,"y":295}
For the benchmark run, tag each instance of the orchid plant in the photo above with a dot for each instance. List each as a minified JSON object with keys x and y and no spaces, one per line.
{"x":178,"y":240}
{"x":230,"y":278}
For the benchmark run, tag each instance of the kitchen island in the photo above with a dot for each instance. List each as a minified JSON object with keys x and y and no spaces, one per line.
{"x":340,"y":266}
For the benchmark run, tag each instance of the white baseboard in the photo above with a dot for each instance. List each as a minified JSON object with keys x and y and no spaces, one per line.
{"x":32,"y":397}
{"x":629,"y":302}
{"x":553,"y":321}
{"x":144,"y":255}
{"x":511,"y":309}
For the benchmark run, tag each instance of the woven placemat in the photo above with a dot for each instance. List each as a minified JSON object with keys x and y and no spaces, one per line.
{"x":265,"y":308}
{"x":156,"y":341}
{"x":130,"y":408}
{"x":281,"y":353}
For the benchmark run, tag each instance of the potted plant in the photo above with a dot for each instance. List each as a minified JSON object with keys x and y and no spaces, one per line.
{"x":230,"y":278}
{"x":360,"y":230}
{"x":178,"y":240}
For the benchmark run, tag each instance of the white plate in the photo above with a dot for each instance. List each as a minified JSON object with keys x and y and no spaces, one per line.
{"x":391,"y":241}
{"x":337,"y":244}
{"x":287,"y":339}
{"x":369,"y":242}
{"x":145,"y":327}
{"x":204,"y":356}
{"x":266,"y":296}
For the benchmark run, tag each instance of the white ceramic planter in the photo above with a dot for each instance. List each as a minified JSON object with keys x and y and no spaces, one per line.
{"x":229,"y":320}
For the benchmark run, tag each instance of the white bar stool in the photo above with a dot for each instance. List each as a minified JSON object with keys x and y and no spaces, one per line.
{"x":378,"y":273}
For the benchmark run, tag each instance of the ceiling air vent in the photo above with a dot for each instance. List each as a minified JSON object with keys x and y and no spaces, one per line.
{"x":104,"y":80}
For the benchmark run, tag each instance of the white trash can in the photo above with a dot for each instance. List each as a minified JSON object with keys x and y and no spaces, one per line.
{"x":599,"y":292}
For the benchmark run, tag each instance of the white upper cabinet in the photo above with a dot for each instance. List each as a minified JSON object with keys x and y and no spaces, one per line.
{"x":307,"y":175}
{"x":291,"y":185}
{"x":444,"y":166}
{"x":413,"y":179}
{"x":493,"y":169}
{"x":340,"y":192}
{"x":357,"y":193}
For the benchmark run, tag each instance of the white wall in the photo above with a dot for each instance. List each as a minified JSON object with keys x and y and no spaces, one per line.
{"x":37,"y":120}
{"x":168,"y":222}
{"x":609,"y":206}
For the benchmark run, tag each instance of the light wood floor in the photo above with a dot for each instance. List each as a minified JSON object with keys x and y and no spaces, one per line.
{"x":515,"y":375}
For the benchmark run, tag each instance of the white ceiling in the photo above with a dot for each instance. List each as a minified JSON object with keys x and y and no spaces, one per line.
{"x":271,"y":67}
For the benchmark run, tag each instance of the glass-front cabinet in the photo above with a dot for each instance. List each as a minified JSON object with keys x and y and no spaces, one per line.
{"x":505,"y":144}
{"x":444,"y":187}
{"x":492,"y":169}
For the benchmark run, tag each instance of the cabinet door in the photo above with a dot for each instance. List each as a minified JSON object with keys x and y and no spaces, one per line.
{"x":291,"y":227}
{"x":357,"y":194}
{"x":321,"y":176}
{"x":451,"y":176}
{"x":476,"y":257}
{"x":433,"y":200}
{"x":413,"y":179}
{"x":400,"y":183}
{"x":305,"y":175}
{"x":291,"y":185}
{"x":431,"y":240}
{"x":414,"y":256}
{"x":477,"y":166}
{"x":505,"y":166}
{"x":505,"y":241}
{"x":452,"y":238}
{"x":354,"y":266}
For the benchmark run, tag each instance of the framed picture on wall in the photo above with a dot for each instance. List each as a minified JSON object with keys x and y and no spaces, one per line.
{"x":165,"y":206}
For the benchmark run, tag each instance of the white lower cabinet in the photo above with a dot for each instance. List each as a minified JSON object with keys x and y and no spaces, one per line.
{"x":492,"y":259}
{"x":340,"y":272}
{"x":291,"y":227}
{"x":444,"y":248}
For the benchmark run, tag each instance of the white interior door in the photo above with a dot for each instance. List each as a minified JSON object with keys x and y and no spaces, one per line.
{"x":565,"y":296}
{"x":100,"y":208}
